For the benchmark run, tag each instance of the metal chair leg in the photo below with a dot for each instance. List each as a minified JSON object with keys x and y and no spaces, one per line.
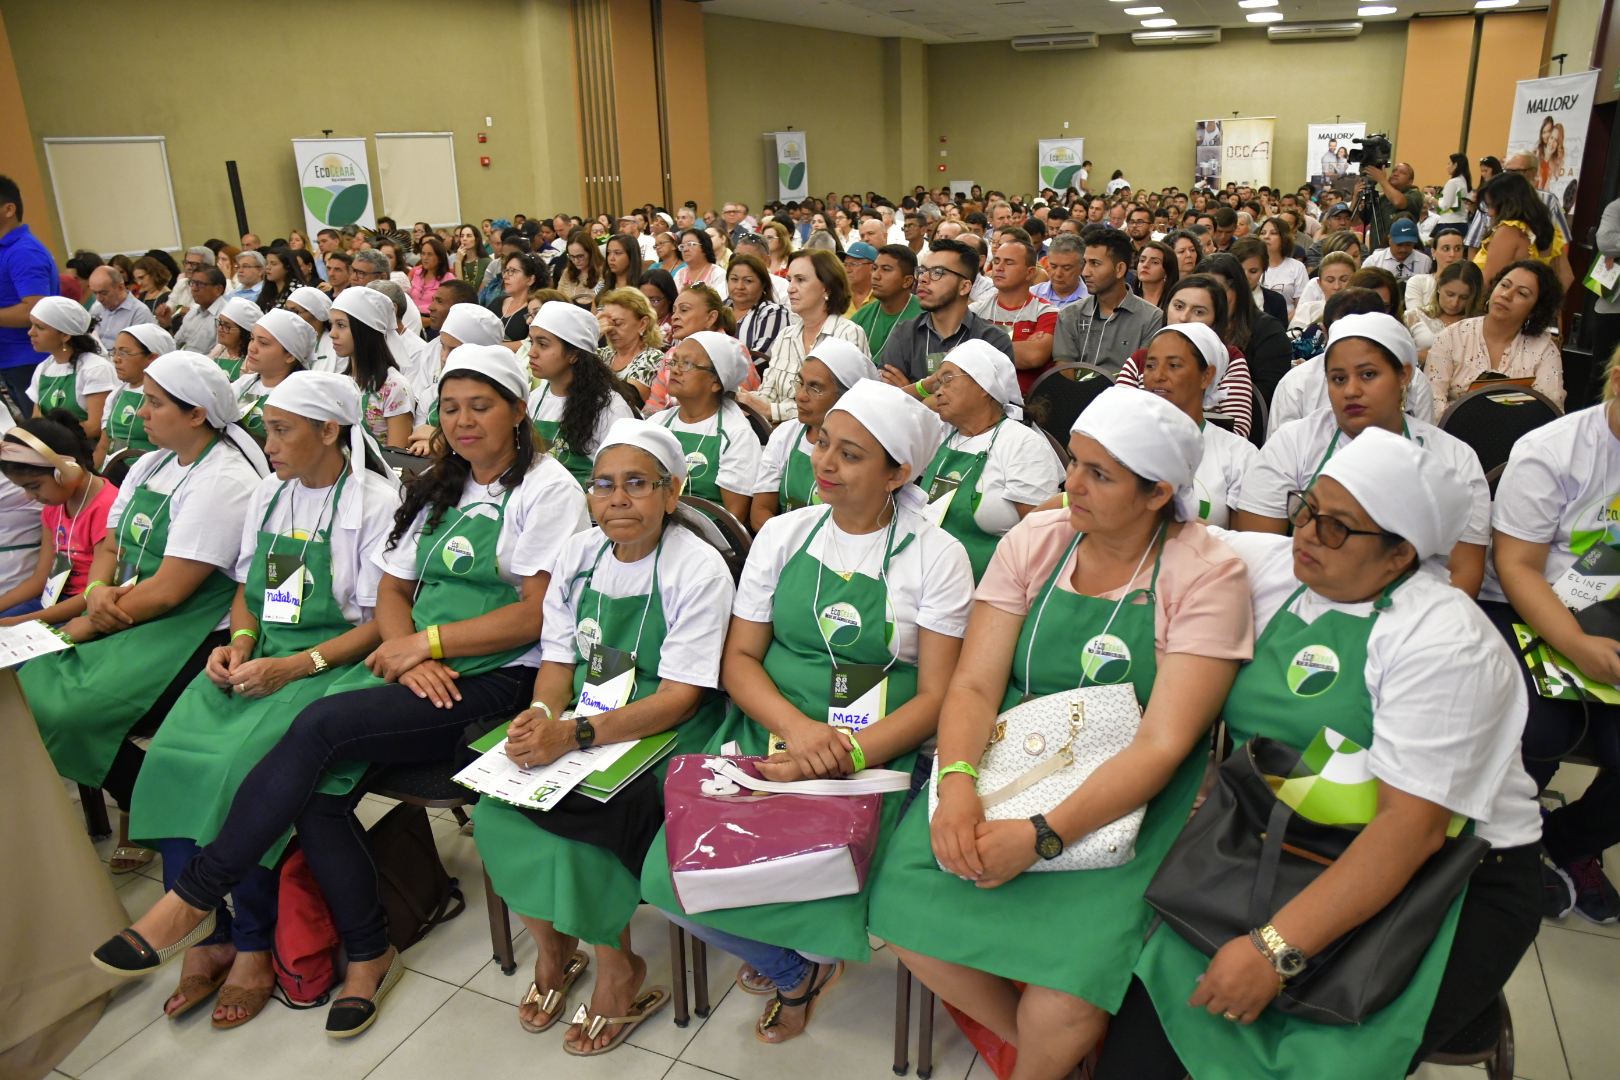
{"x":925,"y":1031}
{"x":500,"y":928}
{"x":902,"y":1019}
{"x":700,"y":977}
{"x":677,"y":971}
{"x":94,"y":805}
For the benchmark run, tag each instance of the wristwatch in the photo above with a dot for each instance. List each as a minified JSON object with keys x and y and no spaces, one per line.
{"x":1288,"y":960}
{"x":1048,"y":844}
{"x":584,"y":733}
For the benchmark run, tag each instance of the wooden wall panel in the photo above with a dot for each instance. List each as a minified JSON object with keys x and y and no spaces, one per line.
{"x":1509,"y":50}
{"x":635,"y":95}
{"x":1434,"y":94}
{"x":687,"y":92}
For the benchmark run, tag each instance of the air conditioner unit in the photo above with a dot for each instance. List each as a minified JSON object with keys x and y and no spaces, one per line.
{"x":1314,"y":31}
{"x":1190,"y":35}
{"x":1053,"y":42}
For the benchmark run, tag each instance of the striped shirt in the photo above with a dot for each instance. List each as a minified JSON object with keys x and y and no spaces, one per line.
{"x":1234,"y":397}
{"x":760,"y":328}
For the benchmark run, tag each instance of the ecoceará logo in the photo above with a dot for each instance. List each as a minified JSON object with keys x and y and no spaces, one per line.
{"x":841,"y":624}
{"x":335,"y":189}
{"x":1312,"y":670}
{"x":588,"y":635}
{"x":458,"y":555}
{"x":1105,"y":659}
{"x":697,"y":463}
{"x":139,"y":527}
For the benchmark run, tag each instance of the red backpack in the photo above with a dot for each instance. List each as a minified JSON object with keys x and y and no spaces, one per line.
{"x":306,"y":938}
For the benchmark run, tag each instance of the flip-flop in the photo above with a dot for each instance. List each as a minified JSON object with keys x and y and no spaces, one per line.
{"x":650,"y":1001}
{"x":196,"y":989}
{"x":807,"y":999}
{"x":251,"y":998}
{"x":137,"y":857}
{"x":553,"y":1001}
{"x":129,"y":954}
{"x":746,"y":974}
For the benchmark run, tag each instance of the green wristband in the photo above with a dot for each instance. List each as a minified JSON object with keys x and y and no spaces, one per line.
{"x":254,"y":634}
{"x":961,"y":767}
{"x":87,"y":588}
{"x":923,"y":391}
{"x":856,"y":754}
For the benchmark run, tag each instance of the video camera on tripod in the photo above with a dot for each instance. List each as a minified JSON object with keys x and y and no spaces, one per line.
{"x":1371,"y":152}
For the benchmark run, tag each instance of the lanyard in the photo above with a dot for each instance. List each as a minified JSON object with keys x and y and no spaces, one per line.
{"x":164,"y":504}
{"x":590,"y":578}
{"x":1333,"y":444}
{"x":1096,"y":307}
{"x":73,"y":519}
{"x":292,"y":525}
{"x":461,"y":515}
{"x":995,"y":433}
{"x":883,"y":574}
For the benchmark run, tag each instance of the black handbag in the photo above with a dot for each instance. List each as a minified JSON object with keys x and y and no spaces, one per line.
{"x":1245,"y":854}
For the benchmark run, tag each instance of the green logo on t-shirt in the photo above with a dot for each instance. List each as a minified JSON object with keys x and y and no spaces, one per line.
{"x":1313,"y":670}
{"x":1105,"y":659}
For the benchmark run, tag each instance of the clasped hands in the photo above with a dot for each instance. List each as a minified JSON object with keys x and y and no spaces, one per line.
{"x":987,"y":853}
{"x":534,"y":738}
{"x":409,"y":661}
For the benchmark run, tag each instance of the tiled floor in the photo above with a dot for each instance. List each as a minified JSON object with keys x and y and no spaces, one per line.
{"x":454,"y":1015}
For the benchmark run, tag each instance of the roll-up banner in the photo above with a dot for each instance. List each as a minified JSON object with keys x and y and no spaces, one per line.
{"x":792,"y":173}
{"x":1327,"y":151}
{"x":1549,"y":121}
{"x":1246,"y":144}
{"x":335,"y":183}
{"x":1060,"y":161}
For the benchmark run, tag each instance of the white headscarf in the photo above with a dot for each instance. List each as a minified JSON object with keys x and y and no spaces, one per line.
{"x":194,"y":378}
{"x":62,"y":315}
{"x":1150,"y":437}
{"x":473,"y":324}
{"x":847,"y":363}
{"x":313,"y":301}
{"x":1209,"y":345}
{"x":293,"y":333}
{"x":1376,"y":327}
{"x":989,"y":367}
{"x":326,"y":395}
{"x":902,"y":425}
{"x":152,"y":337}
{"x":656,"y":439}
{"x":494,"y":361}
{"x":243,"y":312}
{"x":369,"y":306}
{"x":570,"y":322}
{"x":1405,"y":488}
{"x":724,"y":352}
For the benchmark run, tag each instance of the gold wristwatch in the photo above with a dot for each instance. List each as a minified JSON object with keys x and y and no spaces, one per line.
{"x":1287,"y":960}
{"x":318,"y":660}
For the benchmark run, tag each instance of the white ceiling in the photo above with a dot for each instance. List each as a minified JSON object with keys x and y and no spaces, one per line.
{"x":940,"y":22}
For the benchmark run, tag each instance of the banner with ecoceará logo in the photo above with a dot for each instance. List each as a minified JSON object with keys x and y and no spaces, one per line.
{"x":335,"y":183}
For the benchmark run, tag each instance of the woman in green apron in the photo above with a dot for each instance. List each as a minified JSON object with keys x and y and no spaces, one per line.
{"x":645,"y":594}
{"x":236,"y":322}
{"x":74,"y":376}
{"x":786,"y":479}
{"x":41,"y":460}
{"x":465,"y":569}
{"x":464,"y":324}
{"x":576,"y":401}
{"x":1369,"y":363}
{"x":991,"y":470}
{"x":1348,"y":603}
{"x":315,"y":308}
{"x":159,"y":594}
{"x":864,"y":586}
{"x":1123,"y":573}
{"x":124,"y":433}
{"x":722,"y":452}
{"x":282,"y":343}
{"x":301,"y":617}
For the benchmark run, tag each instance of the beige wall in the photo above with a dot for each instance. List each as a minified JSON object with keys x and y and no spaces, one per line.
{"x":251,"y":114}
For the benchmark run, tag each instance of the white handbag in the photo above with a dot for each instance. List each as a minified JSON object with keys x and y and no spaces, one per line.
{"x":1042,"y":751}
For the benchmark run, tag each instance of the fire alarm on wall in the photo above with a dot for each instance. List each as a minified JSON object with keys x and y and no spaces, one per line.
{"x":942,"y":168}
{"x":482,"y":137}
{"x":483,"y":161}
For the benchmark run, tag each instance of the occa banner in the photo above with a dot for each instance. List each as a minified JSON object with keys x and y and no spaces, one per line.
{"x":1246,"y":150}
{"x":334,"y":183}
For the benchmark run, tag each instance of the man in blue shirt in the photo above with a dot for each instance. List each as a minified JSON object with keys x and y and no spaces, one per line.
{"x":27,"y":273}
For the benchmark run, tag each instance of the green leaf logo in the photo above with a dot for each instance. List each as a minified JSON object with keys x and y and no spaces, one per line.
{"x":697,"y":464}
{"x":348,"y":206}
{"x":588,"y":635}
{"x":458,"y":555}
{"x":335,"y":190}
{"x":1065,"y":177}
{"x":1105,"y":659}
{"x":840,"y":624}
{"x":1313,"y":669}
{"x":139,"y":527}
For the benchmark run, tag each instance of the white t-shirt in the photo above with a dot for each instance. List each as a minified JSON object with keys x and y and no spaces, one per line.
{"x":96,"y":375}
{"x":19,"y":529}
{"x":326,"y":357}
{"x":930,"y":581}
{"x":1443,"y":731}
{"x":544,"y":405}
{"x":773,"y":462}
{"x":360,"y":526}
{"x":740,"y":451}
{"x":1219,"y":480}
{"x":694,"y":589}
{"x":417,"y":360}
{"x":1021,"y":468}
{"x":1451,"y":208}
{"x":545,"y":510}
{"x":1294,"y":452}
{"x":1289,"y":278}
{"x":1304,"y":390}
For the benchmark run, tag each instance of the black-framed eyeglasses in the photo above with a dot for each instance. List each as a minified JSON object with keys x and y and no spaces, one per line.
{"x":637,"y":487}
{"x":1329,"y":529}
{"x":937,"y":273}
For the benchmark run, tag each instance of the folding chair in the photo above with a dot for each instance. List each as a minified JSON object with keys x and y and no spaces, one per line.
{"x":1491,"y":419}
{"x":1061,"y":394}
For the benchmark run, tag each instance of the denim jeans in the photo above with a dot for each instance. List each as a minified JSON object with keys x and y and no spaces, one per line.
{"x":784,"y":967}
{"x":252,"y":926}
{"x":384,"y":725}
{"x":17,"y":380}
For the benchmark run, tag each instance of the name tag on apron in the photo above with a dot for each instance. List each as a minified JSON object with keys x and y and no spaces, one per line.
{"x":128,"y":570}
{"x":61,"y":567}
{"x":940,"y":494}
{"x":859,"y":696}
{"x":610,"y":680}
{"x":1595,"y":576}
{"x":284,"y":597}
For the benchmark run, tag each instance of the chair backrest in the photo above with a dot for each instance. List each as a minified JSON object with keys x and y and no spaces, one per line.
{"x":757,"y":420}
{"x":1061,"y":394}
{"x":1260,"y":417}
{"x":1491,"y":419}
{"x":720,"y":528}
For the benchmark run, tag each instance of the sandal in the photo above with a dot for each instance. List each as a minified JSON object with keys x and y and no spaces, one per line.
{"x":552,"y":1001}
{"x":135,"y":856}
{"x":196,"y":989}
{"x":349,"y":1016}
{"x":807,"y":999}
{"x":750,"y":981}
{"x":650,"y":1001}
{"x":251,"y":998}
{"x":129,"y":954}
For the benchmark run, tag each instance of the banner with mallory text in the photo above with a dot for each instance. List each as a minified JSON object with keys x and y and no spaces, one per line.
{"x":335,"y":183}
{"x":1327,"y":151}
{"x":1549,"y":121}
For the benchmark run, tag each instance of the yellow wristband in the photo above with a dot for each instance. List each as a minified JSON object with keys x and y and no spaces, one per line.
{"x":961,"y":767}
{"x":856,"y":754}
{"x":435,"y":646}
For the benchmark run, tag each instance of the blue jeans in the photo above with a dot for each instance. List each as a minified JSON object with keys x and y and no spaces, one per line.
{"x":17,"y":380}
{"x":256,"y":898}
{"x":786,"y":968}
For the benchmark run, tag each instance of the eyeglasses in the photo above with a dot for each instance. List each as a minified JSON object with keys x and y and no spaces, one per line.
{"x":1330,"y":530}
{"x":689,"y":244}
{"x":127,"y":354}
{"x":637,"y":487}
{"x":582,"y":258}
{"x":948,"y":377}
{"x":684,"y":366}
{"x":937,"y":273}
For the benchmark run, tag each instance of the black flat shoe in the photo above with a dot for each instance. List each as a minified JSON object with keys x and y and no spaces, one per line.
{"x":129,"y":954}
{"x":349,"y":1016}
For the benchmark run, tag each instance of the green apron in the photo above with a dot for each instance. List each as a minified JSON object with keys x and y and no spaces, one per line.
{"x":253,"y":409}
{"x":86,"y":699}
{"x":946,"y":476}
{"x":702,"y":455}
{"x":61,"y":392}
{"x":799,"y":663}
{"x":231,"y":365}
{"x":1264,"y":704}
{"x":212,"y":738}
{"x":1333,"y":444}
{"x":581,"y":888}
{"x":578,"y":465}
{"x":798,"y":487}
{"x":1078,"y":931}
{"x":124,"y":426}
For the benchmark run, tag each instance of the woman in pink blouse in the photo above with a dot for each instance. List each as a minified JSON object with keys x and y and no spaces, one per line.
{"x":1512,"y":338}
{"x":430,"y":272}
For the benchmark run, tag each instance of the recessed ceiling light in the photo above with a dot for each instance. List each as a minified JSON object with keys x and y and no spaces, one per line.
{"x":1487,"y":4}
{"x":1144,"y":11}
{"x":1375,"y":9}
{"x":1257,"y":3}
{"x":1265,"y":16}
{"x":1154,"y":24}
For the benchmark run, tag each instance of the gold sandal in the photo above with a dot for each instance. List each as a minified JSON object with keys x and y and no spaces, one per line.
{"x":807,"y":999}
{"x":649,"y":1002}
{"x":552,"y":1001}
{"x":132,"y":854}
